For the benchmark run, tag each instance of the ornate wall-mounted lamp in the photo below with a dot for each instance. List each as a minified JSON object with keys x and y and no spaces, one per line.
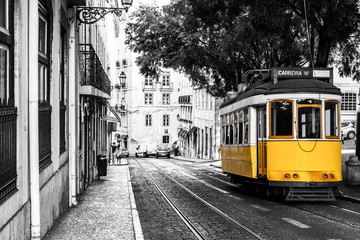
{"x":90,"y":15}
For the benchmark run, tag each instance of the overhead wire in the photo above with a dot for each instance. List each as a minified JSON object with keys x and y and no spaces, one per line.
{"x":313,"y":68}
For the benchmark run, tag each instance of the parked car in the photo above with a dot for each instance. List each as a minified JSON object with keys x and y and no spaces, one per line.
{"x":145,"y":150}
{"x":348,"y":130}
{"x":124,"y":152}
{"x":163,"y":151}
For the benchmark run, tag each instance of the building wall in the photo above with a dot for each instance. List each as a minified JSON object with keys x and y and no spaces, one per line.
{"x":54,"y":177}
{"x":347,"y":85}
{"x":139,"y":133}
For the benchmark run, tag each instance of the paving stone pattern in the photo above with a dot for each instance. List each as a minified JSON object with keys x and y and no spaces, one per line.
{"x":158,"y":219}
{"x":103,"y":211}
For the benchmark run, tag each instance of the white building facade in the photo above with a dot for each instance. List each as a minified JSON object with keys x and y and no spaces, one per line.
{"x":199,"y":129}
{"x":350,"y":97}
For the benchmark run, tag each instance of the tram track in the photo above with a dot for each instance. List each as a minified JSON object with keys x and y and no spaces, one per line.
{"x":336,"y":219}
{"x":182,"y":215}
{"x":287,"y":204}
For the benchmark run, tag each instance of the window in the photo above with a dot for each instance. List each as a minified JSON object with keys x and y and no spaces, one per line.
{"x":62,"y":90}
{"x":8,"y":111}
{"x":231,"y":129}
{"x":223,"y":134}
{"x":44,"y":83}
{"x":166,"y":79}
{"x":4,"y":15}
{"x":148,"y":81}
{"x":148,"y":98}
{"x":241,"y":128}
{"x":236,"y":128}
{"x":166,"y":98}
{"x":166,"y":119}
{"x":246,"y":125}
{"x":281,"y":119}
{"x":148,"y":120}
{"x":308,"y":118}
{"x":348,"y":102}
{"x":4,"y":73}
{"x":331,"y":119}
{"x":166,"y":139}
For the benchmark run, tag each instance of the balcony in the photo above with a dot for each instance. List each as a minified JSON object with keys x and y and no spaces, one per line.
{"x":91,"y":71}
{"x":167,"y":87}
{"x":149,"y":87}
{"x":185,"y":100}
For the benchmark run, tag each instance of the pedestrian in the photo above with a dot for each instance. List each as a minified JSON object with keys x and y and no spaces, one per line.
{"x":118,"y":154}
{"x":113,"y":152}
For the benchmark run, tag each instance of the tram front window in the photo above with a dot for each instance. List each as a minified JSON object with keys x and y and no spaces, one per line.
{"x":308,"y":121}
{"x":281,"y":114}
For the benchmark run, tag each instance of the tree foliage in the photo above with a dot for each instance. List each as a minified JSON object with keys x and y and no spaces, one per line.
{"x":215,"y":41}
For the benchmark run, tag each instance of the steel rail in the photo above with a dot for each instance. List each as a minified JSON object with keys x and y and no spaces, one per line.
{"x":173,"y":206}
{"x":254,"y":234}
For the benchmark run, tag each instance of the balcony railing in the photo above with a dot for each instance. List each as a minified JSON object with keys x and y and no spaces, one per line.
{"x":166,"y":87}
{"x":91,"y":71}
{"x":150,"y":87}
{"x":8,"y":151}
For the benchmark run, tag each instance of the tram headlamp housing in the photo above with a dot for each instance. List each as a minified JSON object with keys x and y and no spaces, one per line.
{"x":331,"y":175}
{"x":287,"y":175}
{"x":325,"y":176}
{"x":295,"y":175}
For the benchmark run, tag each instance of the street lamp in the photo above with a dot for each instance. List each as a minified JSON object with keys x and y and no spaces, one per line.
{"x":122,"y":78}
{"x":90,"y":15}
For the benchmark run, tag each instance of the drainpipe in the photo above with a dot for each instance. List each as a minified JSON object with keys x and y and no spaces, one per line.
{"x":33,"y":32}
{"x":73,"y":103}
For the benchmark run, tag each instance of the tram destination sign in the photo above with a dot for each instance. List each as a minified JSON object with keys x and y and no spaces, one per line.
{"x":324,"y":74}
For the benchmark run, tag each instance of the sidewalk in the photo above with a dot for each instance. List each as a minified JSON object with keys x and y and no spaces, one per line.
{"x":106,"y":210}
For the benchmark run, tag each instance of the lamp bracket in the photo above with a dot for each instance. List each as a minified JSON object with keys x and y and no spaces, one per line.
{"x":90,"y":15}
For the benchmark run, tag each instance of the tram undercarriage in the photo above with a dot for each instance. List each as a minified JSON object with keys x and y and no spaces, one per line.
{"x":298,"y":191}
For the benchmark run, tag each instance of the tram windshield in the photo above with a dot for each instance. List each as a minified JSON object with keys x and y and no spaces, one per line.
{"x":309,"y":119}
{"x":281,"y":117}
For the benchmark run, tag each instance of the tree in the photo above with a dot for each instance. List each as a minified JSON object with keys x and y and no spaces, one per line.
{"x":215,"y":41}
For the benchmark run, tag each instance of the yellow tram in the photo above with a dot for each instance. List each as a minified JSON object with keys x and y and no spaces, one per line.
{"x":283,"y":132}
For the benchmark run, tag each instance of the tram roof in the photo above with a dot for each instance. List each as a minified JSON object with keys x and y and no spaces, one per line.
{"x":285,"y":86}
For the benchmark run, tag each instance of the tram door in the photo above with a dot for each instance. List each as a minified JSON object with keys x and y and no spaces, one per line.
{"x":261,"y":142}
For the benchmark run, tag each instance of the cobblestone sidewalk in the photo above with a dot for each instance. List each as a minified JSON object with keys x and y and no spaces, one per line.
{"x":106,"y":210}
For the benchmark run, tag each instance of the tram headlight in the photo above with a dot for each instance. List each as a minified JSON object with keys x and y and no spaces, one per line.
{"x":325,"y":175}
{"x":331,"y":175}
{"x":295,"y":175}
{"x":287,"y":175}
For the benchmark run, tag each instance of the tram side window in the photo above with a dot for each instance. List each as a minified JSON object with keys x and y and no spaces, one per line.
{"x":235,"y":128}
{"x":281,"y":113}
{"x":231,"y":133}
{"x":227,"y":140}
{"x":223,"y":134}
{"x":246,"y":126}
{"x":241,"y":133}
{"x":331,"y":119}
{"x":241,"y":127}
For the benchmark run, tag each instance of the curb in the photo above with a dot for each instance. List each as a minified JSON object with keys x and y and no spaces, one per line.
{"x":135,"y":215}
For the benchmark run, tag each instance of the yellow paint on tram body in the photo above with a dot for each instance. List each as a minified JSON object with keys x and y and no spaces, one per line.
{"x":239,"y":160}
{"x":309,"y":159}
